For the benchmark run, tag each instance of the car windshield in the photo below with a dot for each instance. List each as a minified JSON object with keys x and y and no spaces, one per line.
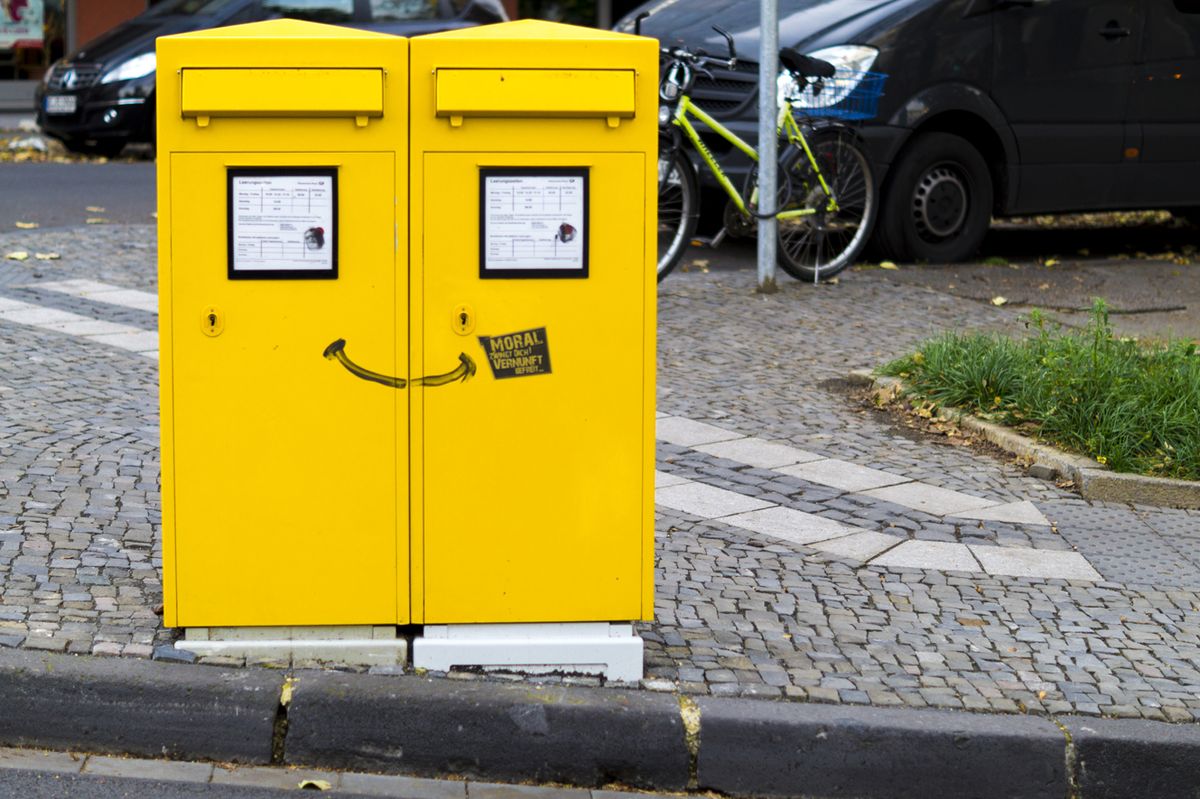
{"x":331,"y":11}
{"x":398,"y":10}
{"x":189,"y":7}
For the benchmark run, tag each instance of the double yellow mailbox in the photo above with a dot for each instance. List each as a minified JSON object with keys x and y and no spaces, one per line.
{"x":407,"y":325}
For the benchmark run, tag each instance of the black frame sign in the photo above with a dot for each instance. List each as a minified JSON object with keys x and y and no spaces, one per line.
{"x":282,"y":223}
{"x":533,"y":222}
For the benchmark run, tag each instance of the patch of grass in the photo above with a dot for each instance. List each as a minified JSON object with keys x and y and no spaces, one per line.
{"x":1133,"y":407}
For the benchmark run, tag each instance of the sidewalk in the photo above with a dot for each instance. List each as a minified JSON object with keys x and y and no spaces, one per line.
{"x":807,"y":549}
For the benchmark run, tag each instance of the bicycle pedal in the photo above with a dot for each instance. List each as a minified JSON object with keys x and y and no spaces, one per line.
{"x":713,"y":242}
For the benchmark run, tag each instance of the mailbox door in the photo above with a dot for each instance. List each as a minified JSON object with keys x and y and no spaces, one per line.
{"x":533,"y":482}
{"x":286,"y":462}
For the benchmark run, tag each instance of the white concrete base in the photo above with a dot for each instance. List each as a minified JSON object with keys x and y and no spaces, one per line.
{"x":359,"y":645}
{"x":602,"y":648}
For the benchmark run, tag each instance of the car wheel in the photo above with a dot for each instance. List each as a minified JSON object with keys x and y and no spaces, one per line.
{"x":938,"y":202}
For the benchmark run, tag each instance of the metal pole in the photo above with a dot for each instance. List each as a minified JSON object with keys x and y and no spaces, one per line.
{"x":768,"y":69}
{"x":604,"y":15}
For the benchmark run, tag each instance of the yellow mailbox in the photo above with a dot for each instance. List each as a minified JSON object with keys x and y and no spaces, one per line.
{"x":282,"y":183}
{"x":532,"y":218}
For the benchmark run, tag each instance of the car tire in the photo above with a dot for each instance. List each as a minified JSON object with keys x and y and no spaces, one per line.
{"x":937,"y":205}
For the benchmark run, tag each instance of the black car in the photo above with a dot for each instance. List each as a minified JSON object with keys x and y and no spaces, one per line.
{"x":991,"y":107}
{"x":101,"y":97}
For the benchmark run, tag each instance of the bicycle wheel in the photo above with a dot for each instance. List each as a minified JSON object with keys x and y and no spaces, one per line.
{"x":678,"y":207}
{"x":819,"y":246}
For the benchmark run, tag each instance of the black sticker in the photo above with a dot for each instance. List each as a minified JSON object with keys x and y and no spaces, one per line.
{"x":518,"y":354}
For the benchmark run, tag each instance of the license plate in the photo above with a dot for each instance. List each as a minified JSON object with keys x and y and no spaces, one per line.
{"x":60,"y":104}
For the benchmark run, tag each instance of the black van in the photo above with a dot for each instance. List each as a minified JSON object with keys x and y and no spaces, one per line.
{"x":992,"y":107}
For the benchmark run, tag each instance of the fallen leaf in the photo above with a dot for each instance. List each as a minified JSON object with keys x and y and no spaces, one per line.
{"x":315,"y":785}
{"x":972,"y":622}
{"x":17,"y":255}
{"x":47,"y":256}
{"x":1051,"y":262}
{"x":96,"y":220}
{"x":1044,"y":286}
{"x":26,"y":225}
{"x":700,"y":262}
{"x":1041,"y":694}
{"x":95,"y":209}
{"x":999,"y":301}
{"x":887,"y":265}
{"x":285,"y":695}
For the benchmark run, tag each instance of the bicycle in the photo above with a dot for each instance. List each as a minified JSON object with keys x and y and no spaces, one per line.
{"x":827,"y":199}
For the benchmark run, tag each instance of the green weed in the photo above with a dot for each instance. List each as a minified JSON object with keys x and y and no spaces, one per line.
{"x":1133,"y":407}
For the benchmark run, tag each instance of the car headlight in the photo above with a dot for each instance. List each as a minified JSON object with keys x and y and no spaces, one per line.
{"x":136,"y":67}
{"x":851,"y":60}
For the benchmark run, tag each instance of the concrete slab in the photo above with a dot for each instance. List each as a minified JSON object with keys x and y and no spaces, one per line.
{"x":148,"y":769}
{"x":759,"y":453}
{"x":263,"y":777}
{"x":41,"y":760}
{"x":707,"y":502}
{"x":929,"y":499}
{"x":842,"y":475}
{"x":1013,"y":512}
{"x":141,"y":341}
{"x":935,"y":555}
{"x":665,"y":479}
{"x":408,"y":787}
{"x":859,"y":546}
{"x":1040,"y":563}
{"x":689,"y":433}
{"x":39,"y":316}
{"x":790,"y":525}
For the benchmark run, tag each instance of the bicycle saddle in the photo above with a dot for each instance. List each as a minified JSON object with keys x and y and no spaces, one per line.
{"x":803,"y":65}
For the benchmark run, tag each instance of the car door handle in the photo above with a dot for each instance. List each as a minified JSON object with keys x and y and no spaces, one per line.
{"x":1113,"y":30}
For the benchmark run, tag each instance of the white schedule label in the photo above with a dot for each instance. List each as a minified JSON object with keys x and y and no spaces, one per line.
{"x":534,"y":222}
{"x":282,"y":223}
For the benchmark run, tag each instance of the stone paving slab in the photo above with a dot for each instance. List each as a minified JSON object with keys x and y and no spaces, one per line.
{"x":843,"y":475}
{"x":1034,"y":563}
{"x":930,"y":499}
{"x":937,"y":555}
{"x":758,"y":453}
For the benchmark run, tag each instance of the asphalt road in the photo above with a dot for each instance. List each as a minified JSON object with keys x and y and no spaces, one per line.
{"x":49,"y":785}
{"x":59,"y":195}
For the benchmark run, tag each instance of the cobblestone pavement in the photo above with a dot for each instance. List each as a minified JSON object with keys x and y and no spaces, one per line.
{"x":742,"y":608}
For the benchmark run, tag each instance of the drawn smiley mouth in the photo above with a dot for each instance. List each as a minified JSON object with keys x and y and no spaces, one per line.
{"x":336,"y":351}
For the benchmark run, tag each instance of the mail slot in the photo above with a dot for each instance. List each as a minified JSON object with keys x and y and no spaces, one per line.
{"x":535,"y":93}
{"x":282,"y":92}
{"x":282,"y":174}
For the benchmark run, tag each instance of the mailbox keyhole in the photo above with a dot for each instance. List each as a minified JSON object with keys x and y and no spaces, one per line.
{"x":462,"y":318}
{"x":212,"y":320}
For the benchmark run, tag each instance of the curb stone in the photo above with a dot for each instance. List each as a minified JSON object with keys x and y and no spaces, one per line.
{"x":785,"y":750}
{"x":1134,"y":758}
{"x":1093,"y":480}
{"x":583,"y":735}
{"x":128,"y":706}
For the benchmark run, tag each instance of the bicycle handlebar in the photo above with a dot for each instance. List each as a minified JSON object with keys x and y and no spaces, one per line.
{"x":698,"y":58}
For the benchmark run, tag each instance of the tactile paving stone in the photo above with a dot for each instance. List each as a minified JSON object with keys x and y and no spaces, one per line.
{"x":1175,"y":524}
{"x":1122,"y":547}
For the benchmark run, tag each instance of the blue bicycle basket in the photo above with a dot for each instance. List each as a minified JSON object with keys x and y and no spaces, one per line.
{"x":847,"y":95}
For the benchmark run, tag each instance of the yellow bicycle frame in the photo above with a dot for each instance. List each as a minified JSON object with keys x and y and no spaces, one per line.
{"x":786,"y":124}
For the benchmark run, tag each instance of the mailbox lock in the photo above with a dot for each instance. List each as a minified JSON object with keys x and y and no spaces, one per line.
{"x":463,"y":320}
{"x":212,"y":321}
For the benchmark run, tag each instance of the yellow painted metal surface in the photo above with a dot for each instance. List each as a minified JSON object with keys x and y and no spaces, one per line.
{"x":535,"y":92}
{"x":285,"y":475}
{"x":533,"y":494}
{"x":282,"y":92}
